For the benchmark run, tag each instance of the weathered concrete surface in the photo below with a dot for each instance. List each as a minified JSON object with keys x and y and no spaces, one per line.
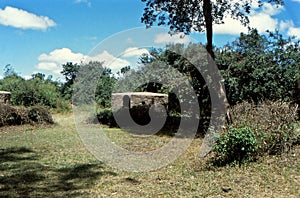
{"x":5,"y":97}
{"x":131,"y":99}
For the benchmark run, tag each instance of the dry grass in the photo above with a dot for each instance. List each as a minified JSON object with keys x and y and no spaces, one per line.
{"x":39,"y":162}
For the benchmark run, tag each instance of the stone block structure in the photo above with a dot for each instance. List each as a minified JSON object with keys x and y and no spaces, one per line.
{"x":5,"y":97}
{"x":132,"y":99}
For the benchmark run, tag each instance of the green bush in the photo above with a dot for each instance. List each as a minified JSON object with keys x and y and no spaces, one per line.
{"x":62,"y":106}
{"x":272,"y":122}
{"x":105,"y":116}
{"x":238,"y":145}
{"x":264,"y":129}
{"x":260,"y":67}
{"x":36,"y":91}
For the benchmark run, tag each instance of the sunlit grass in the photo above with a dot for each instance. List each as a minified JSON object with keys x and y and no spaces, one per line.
{"x":52,"y":161}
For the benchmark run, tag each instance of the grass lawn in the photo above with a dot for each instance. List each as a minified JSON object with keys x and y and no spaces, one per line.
{"x":52,"y":162}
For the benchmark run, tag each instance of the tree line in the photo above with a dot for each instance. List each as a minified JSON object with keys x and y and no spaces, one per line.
{"x":255,"y":67}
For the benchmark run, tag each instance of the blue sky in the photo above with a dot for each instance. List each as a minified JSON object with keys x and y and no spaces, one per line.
{"x":39,"y":36}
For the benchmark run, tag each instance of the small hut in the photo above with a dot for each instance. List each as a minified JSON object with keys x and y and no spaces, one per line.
{"x":5,"y":97}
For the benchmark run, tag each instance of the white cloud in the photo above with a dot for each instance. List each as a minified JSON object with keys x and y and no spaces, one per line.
{"x":54,"y":60}
{"x":109,"y":60}
{"x":262,"y":20}
{"x":298,"y":1}
{"x":285,"y":25}
{"x":27,"y":77}
{"x":22,"y":19}
{"x":135,"y":52}
{"x":167,"y":38}
{"x":230,"y":26}
{"x":61,"y":55}
{"x":272,"y":10}
{"x":288,"y":26}
{"x":88,"y":3}
{"x":49,"y":66}
{"x":294,"y":31}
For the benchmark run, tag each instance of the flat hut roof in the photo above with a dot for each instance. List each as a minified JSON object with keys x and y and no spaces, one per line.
{"x":5,"y":92}
{"x":140,"y":94}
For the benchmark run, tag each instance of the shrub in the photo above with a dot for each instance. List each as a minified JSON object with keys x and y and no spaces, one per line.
{"x":9,"y":116}
{"x":272,"y":122}
{"x":39,"y":114}
{"x":62,"y":106}
{"x":16,"y":116}
{"x":105,"y":116}
{"x":237,"y":145}
{"x":257,"y":130}
{"x":32,"y":92}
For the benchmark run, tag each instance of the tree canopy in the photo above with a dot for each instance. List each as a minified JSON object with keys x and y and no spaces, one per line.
{"x":198,"y":15}
{"x":260,"y":67}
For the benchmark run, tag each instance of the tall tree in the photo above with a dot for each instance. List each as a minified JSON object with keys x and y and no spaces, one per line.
{"x":199,"y":15}
{"x":70,"y":72}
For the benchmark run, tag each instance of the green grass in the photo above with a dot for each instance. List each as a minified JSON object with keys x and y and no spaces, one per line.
{"x":52,"y":162}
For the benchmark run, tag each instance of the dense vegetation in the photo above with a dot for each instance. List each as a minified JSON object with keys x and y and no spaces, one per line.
{"x":259,"y":70}
{"x":260,"y":67}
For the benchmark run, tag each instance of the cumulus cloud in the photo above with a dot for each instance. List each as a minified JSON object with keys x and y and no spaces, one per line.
{"x":230,"y":26}
{"x":294,"y":31}
{"x":61,"y":55}
{"x":109,"y":60}
{"x":288,"y":26}
{"x":285,"y":25}
{"x":165,"y":38}
{"x":27,"y":77}
{"x":18,"y":18}
{"x":262,"y":20}
{"x":54,"y":60}
{"x":135,"y":52}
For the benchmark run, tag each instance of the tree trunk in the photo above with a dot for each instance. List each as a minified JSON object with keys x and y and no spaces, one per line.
{"x":207,"y":11}
{"x":296,"y":96}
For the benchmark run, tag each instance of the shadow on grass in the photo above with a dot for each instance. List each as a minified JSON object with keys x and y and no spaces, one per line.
{"x":22,"y":175}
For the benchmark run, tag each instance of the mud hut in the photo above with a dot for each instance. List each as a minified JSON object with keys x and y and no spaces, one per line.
{"x":5,"y":97}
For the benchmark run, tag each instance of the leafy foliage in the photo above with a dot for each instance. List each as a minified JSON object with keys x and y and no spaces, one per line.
{"x":257,"y":67}
{"x":35,"y":91}
{"x":272,"y":122}
{"x":70,"y":72}
{"x":257,"y":130}
{"x":238,"y":145}
{"x":104,"y":89}
{"x":84,"y":91}
{"x":189,"y":15}
{"x":197,"y":15}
